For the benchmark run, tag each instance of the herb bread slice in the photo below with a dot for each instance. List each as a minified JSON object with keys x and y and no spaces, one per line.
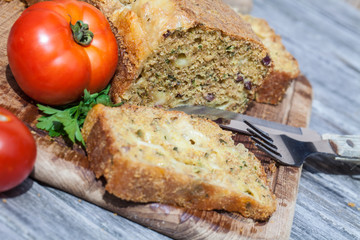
{"x":185,"y":52}
{"x":152,"y":155}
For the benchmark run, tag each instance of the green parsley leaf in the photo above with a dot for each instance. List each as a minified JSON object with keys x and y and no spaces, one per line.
{"x":47,"y":110}
{"x":68,"y":120}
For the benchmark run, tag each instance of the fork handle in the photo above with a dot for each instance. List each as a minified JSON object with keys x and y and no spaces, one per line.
{"x":347,"y":147}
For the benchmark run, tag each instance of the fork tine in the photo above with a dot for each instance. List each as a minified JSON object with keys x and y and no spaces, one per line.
{"x":269,"y":147}
{"x":259,"y":137}
{"x":274,"y":156}
{"x":259,"y":131}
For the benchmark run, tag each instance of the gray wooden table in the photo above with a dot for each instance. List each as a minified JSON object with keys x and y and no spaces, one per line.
{"x":324,"y":35}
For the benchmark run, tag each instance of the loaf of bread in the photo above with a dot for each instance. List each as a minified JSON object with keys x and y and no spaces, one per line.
{"x":185,"y":52}
{"x":148,"y":154}
{"x":286,"y":67}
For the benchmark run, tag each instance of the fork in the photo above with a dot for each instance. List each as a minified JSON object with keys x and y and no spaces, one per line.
{"x":288,"y":151}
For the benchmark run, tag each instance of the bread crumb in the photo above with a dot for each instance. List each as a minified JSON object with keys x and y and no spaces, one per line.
{"x":350,"y":204}
{"x":79,"y":200}
{"x":4,"y":200}
{"x":38,"y":195}
{"x":272,"y":167}
{"x":115,"y":214}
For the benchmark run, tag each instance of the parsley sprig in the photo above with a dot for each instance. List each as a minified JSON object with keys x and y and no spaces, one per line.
{"x":68,"y":120}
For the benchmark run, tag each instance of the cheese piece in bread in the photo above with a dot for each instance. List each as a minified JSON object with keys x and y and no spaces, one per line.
{"x":152,"y":155}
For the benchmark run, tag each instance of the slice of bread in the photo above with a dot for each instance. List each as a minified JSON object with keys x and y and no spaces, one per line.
{"x":152,"y":155}
{"x":286,"y":67}
{"x":185,"y":52}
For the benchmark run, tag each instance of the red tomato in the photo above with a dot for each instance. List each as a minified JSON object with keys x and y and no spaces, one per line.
{"x":17,"y":151}
{"x":48,"y":64}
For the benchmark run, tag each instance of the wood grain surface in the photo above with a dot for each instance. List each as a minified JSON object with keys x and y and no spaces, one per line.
{"x":64,"y":167}
{"x":323,"y":35}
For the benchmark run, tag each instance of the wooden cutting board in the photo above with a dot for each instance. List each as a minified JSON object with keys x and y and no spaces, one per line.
{"x":63,"y":166}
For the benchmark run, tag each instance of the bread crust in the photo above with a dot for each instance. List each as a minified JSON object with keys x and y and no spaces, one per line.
{"x":142,"y":182}
{"x":215,"y":15}
{"x":274,"y":88}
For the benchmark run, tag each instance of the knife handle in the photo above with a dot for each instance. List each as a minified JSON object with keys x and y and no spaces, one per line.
{"x":347,"y":147}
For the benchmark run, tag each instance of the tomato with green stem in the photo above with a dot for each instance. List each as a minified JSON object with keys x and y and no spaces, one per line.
{"x":56,"y":49}
{"x":17,"y":151}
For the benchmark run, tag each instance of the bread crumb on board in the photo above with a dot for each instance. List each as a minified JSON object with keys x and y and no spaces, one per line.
{"x":4,"y":200}
{"x":272,"y":167}
{"x":351,"y":204}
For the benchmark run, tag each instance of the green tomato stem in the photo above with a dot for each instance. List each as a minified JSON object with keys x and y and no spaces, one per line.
{"x":81,"y":33}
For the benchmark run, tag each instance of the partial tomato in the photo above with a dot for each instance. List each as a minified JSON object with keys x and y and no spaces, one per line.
{"x":56,"y":49}
{"x":17,"y":151}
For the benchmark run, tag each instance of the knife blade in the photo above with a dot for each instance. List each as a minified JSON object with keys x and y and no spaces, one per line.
{"x":234,"y":122}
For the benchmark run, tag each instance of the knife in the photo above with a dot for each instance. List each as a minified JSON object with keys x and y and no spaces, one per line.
{"x":344,"y":148}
